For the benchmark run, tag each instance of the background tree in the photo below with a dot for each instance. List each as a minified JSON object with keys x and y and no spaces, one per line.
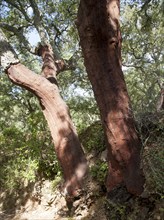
{"x":142,"y":54}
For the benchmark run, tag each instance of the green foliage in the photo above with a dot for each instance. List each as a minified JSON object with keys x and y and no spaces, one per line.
{"x":55,"y":183}
{"x":154,"y":159}
{"x":142,"y":54}
{"x":116,"y":210}
{"x":16,"y":164}
{"x":93,"y":140}
{"x":49,"y":166}
{"x":93,"y":137}
{"x":15,"y":174}
{"x":99,"y":171}
{"x":26,"y":150}
{"x":151,"y":127}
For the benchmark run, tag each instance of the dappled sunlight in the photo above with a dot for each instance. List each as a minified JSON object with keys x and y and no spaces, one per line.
{"x":113,"y":170}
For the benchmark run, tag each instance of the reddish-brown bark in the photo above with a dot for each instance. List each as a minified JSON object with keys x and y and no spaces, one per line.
{"x":67,"y":145}
{"x":68,"y":148}
{"x":49,"y":68}
{"x":98,"y":26}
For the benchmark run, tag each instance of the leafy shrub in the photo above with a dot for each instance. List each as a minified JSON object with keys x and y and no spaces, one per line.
{"x":56,"y":181}
{"x":25,"y":157}
{"x":99,"y":171}
{"x":151,"y":128}
{"x":93,"y":137}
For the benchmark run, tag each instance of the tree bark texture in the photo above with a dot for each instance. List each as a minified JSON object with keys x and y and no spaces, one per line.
{"x":67,"y":145}
{"x":100,"y":39}
{"x":68,"y":148}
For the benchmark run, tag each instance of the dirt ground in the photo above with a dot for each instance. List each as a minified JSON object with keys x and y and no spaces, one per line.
{"x":43,"y":203}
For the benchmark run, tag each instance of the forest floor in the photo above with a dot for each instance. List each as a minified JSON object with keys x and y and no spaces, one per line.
{"x":53,"y":206}
{"x":92,"y":205}
{"x":42,"y":200}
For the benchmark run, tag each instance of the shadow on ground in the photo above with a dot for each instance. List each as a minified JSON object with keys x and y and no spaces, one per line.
{"x":14,"y":201}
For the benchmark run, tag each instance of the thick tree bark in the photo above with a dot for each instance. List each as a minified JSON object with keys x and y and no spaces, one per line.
{"x":98,"y":26}
{"x":67,"y":146}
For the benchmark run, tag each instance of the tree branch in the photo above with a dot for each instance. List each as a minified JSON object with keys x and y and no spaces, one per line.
{"x":20,"y":8}
{"x":145,"y":4}
{"x":61,"y":64}
{"x":7,"y":54}
{"x":38,"y":24}
{"x":67,"y":146}
{"x":12,"y":4}
{"x":19,"y":33}
{"x":43,"y":32}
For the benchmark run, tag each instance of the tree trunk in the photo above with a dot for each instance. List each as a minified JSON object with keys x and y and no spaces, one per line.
{"x":67,"y":146}
{"x":100,"y":39}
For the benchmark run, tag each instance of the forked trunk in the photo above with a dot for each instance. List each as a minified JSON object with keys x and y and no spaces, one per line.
{"x":98,"y":26}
